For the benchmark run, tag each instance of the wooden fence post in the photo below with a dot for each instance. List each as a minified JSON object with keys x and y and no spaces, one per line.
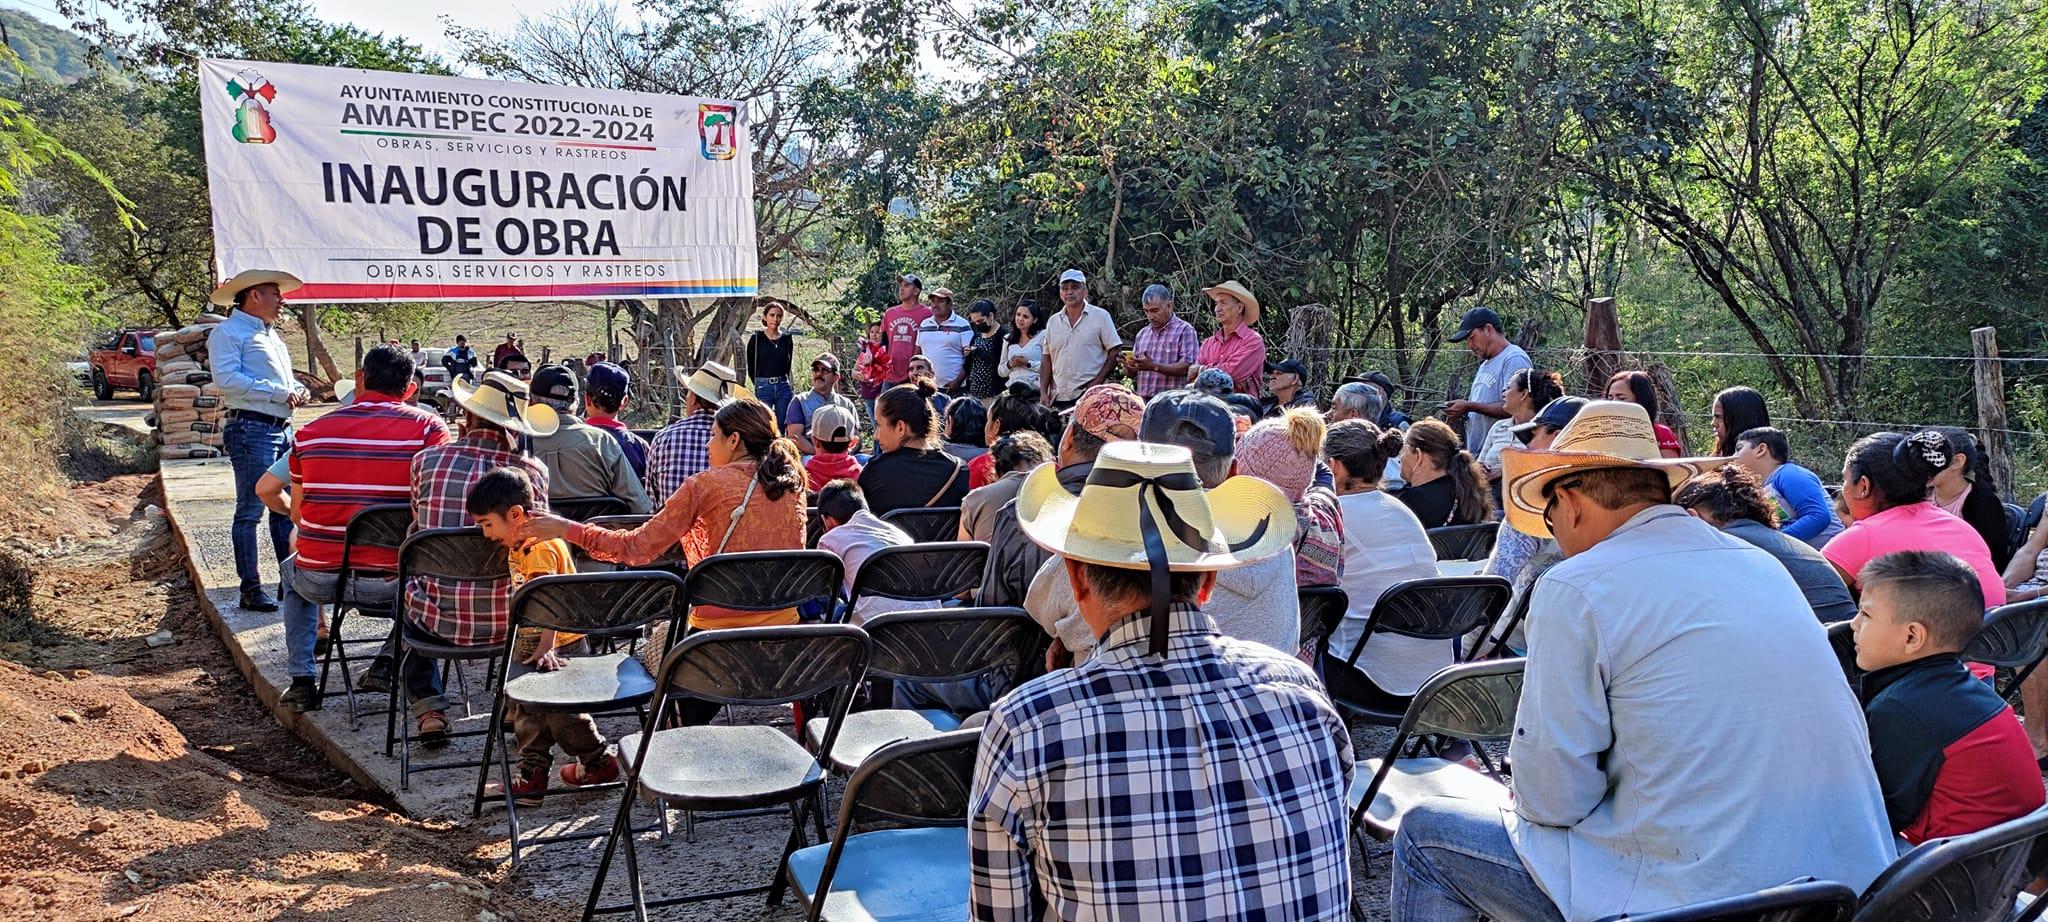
{"x":1603,"y":344}
{"x":359,"y":354}
{"x":1990,"y":377}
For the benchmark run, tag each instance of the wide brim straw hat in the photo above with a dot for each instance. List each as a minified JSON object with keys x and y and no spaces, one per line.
{"x":716,"y":384}
{"x":504,"y":400}
{"x":1242,"y":294}
{"x":224,"y":296}
{"x":1605,"y":435}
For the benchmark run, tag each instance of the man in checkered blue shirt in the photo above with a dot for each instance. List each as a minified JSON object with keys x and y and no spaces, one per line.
{"x":1179,"y":774}
{"x":684,"y":447}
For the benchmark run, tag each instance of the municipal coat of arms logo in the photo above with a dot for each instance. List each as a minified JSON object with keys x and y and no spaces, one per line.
{"x":252,"y":93}
{"x":717,"y":130}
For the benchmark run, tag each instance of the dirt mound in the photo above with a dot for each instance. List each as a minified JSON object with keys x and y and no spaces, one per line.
{"x":111,"y":814}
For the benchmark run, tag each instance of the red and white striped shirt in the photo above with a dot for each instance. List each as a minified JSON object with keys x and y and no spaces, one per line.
{"x":357,"y":456}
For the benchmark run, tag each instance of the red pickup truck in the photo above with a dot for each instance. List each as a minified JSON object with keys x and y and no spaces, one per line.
{"x":127,"y":362}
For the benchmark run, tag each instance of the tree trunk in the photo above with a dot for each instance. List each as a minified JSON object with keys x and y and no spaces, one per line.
{"x":316,"y":348}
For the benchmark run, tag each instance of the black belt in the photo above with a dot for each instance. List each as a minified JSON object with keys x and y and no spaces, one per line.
{"x":278,"y":421}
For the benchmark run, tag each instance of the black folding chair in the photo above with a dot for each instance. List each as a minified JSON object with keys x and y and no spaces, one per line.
{"x":814,"y":526}
{"x":1463,"y":542}
{"x":1970,"y":878}
{"x":1468,"y":701}
{"x":942,"y":645}
{"x":2014,"y":637}
{"x":457,"y":555}
{"x":383,"y":527}
{"x":1321,"y":609}
{"x":915,"y":868}
{"x":2015,"y":526}
{"x":935,"y":572}
{"x":2029,"y":521}
{"x":1495,"y":642}
{"x":733,"y":767}
{"x":1804,"y":901}
{"x":671,"y":561}
{"x":605,"y":608}
{"x":1842,"y":639}
{"x":585,"y":508}
{"x":765,"y":580}
{"x":1442,"y":608}
{"x":926,"y":524}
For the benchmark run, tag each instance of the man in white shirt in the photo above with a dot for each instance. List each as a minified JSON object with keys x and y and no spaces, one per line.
{"x":1684,"y":732}
{"x":854,"y":534}
{"x":1081,"y":344}
{"x":1480,"y":331}
{"x":943,"y":338}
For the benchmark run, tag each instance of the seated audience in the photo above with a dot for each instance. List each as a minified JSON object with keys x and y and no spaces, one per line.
{"x":583,"y":461}
{"x":1527,"y":391}
{"x":1255,"y":602}
{"x":911,"y":471}
{"x":606,"y":388}
{"x":1884,"y":484}
{"x":1676,"y":741}
{"x":1284,"y":453}
{"x":1731,"y":500}
{"x":1105,"y":413}
{"x":1950,"y":755}
{"x":1181,"y":774}
{"x":499,"y":503}
{"x":833,"y":430}
{"x":966,"y":429}
{"x":1638,"y":388}
{"x":1521,"y":558}
{"x":1803,"y":504}
{"x":921,"y":367}
{"x":800,"y":416}
{"x":1964,"y":490}
{"x":1383,"y":545}
{"x":1444,"y":484}
{"x":853,"y":534}
{"x":1016,"y":409}
{"x":1736,"y":411}
{"x":1015,"y":455}
{"x":683,"y":448}
{"x":1286,"y":387}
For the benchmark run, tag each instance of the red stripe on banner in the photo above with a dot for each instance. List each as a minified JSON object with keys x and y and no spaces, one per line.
{"x":611,"y":146}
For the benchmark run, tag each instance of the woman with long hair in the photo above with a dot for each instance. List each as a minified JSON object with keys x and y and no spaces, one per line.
{"x":913,"y":468}
{"x":1383,"y":544}
{"x":1638,"y":388}
{"x":1736,"y":411}
{"x":769,"y":353}
{"x":1022,"y":351}
{"x":1445,"y":485}
{"x":751,"y":498}
{"x":1956,"y":491}
{"x":1884,"y":485}
{"x":1526,"y":392}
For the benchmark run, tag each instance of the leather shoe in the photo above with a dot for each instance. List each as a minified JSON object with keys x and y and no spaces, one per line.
{"x":302,"y":696}
{"x":258,"y":600}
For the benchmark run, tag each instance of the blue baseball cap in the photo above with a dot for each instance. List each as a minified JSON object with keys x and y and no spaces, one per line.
{"x":1192,"y":419}
{"x":607,"y":379}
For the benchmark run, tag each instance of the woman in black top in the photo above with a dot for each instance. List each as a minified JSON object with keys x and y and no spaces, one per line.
{"x":1445,"y":485}
{"x":1964,"y":488}
{"x":913,"y":469}
{"x":768,"y":356}
{"x":984,"y":351}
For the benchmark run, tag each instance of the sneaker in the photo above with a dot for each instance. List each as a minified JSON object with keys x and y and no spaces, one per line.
{"x":576,"y":774}
{"x":377,"y":678}
{"x":302,"y":696}
{"x":258,"y":600}
{"x":432,"y":728}
{"x":530,"y":788}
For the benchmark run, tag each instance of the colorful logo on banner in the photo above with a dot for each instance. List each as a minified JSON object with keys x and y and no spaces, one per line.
{"x":253,"y":94}
{"x":717,"y":130}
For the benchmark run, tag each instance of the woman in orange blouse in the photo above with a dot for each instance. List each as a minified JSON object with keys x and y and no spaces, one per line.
{"x":751,"y":466}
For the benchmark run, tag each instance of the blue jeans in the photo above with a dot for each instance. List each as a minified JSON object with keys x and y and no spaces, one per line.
{"x":776,"y":393}
{"x":1453,"y":862}
{"x":301,"y":622}
{"x":252,"y":448}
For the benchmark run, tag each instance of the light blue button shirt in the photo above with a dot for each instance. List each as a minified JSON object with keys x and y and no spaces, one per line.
{"x":251,"y":365}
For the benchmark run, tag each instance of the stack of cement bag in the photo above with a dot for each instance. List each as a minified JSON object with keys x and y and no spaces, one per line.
{"x":189,"y":412}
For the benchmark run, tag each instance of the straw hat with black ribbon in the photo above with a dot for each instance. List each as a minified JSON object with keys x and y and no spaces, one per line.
{"x":504,"y":400}
{"x":715,"y":384}
{"x":1605,"y":435}
{"x":224,"y":296}
{"x":1142,"y":508}
{"x":1242,"y":294}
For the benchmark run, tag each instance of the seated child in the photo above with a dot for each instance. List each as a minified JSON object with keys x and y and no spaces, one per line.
{"x":498,"y":501}
{"x":1950,"y":756}
{"x":834,"y":429}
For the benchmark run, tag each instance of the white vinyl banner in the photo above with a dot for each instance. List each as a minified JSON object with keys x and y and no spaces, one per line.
{"x":379,"y":186}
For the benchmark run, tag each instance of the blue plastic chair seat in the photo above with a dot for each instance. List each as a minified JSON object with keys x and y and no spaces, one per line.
{"x":741,"y":766}
{"x":586,"y":683}
{"x":867,"y":731}
{"x":891,"y":875}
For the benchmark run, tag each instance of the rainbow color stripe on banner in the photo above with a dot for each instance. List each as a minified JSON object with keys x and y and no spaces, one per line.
{"x":431,"y":291}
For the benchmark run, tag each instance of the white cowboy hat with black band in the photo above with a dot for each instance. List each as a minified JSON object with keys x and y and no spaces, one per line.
{"x":504,"y":400}
{"x":1605,"y":435}
{"x":1143,"y":508}
{"x":715,"y":384}
{"x":224,"y":296}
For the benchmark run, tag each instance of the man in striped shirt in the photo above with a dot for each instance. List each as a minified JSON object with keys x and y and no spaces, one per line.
{"x":353,"y":458}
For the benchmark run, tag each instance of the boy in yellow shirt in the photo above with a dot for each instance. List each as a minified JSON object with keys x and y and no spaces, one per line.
{"x":499,"y":501}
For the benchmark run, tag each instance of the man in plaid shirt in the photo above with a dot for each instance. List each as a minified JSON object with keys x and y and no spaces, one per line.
{"x":1166,"y":346}
{"x":1179,"y":774}
{"x":684,"y":448}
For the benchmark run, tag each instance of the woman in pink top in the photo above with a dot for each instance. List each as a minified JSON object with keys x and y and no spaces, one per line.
{"x":1884,"y":485}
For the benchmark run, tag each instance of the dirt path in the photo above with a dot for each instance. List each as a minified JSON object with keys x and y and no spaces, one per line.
{"x":140,"y":779}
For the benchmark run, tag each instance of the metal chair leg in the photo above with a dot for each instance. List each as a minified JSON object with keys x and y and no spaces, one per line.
{"x":622,"y":827}
{"x":404,"y":726}
{"x":391,"y":700}
{"x":491,"y":742}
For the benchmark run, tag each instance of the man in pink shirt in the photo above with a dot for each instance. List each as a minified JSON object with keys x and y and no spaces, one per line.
{"x":899,"y":327}
{"x":1235,"y":347}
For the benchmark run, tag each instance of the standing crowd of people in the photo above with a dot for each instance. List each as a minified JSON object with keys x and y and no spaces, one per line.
{"x":1685,"y":730}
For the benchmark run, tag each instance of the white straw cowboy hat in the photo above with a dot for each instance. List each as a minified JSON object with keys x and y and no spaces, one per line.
{"x":224,"y":296}
{"x":504,"y":400}
{"x":1606,"y":435}
{"x":1242,"y":294}
{"x":716,"y":384}
{"x":1143,"y":508}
